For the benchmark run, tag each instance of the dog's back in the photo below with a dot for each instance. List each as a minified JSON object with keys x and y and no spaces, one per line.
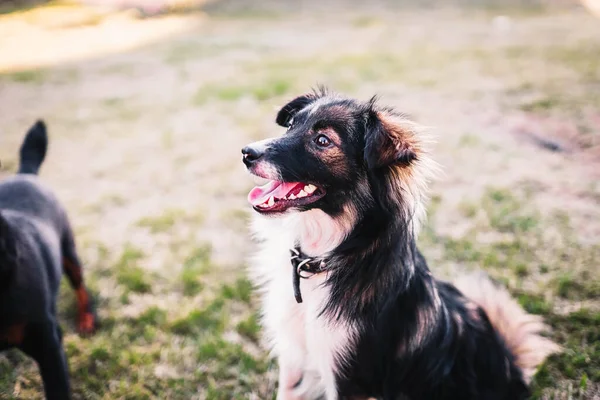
{"x":31,"y":226}
{"x":24,"y":196}
{"x":24,"y":193}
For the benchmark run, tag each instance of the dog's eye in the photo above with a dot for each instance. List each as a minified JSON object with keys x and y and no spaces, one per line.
{"x":322,"y":141}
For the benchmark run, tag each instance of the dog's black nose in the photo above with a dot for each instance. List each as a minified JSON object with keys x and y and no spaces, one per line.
{"x":251,"y":154}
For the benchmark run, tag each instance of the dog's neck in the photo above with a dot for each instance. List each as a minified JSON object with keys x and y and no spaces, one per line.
{"x":370,"y":265}
{"x":317,"y":233}
{"x":377,"y":258}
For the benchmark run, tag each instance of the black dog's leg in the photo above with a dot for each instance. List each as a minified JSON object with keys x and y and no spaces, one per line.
{"x":43,"y":342}
{"x":87,"y":319}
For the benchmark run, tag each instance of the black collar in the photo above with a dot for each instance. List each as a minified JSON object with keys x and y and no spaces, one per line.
{"x":304,"y":267}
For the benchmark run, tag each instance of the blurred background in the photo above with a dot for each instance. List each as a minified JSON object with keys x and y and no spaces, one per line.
{"x":149,"y":102}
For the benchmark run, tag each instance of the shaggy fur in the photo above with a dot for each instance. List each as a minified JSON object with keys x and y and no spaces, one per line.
{"x":375,"y":323}
{"x":36,"y":244}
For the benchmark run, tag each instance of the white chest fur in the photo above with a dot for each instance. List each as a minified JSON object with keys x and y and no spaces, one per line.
{"x":307,"y":345}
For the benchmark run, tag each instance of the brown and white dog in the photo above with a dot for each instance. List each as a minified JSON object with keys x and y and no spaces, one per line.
{"x":349,"y":304}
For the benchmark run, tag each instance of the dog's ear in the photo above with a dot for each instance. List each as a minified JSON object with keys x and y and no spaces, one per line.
{"x":287,"y":112}
{"x":388,"y":141}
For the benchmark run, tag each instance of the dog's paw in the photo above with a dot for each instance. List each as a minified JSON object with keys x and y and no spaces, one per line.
{"x":87,"y":323}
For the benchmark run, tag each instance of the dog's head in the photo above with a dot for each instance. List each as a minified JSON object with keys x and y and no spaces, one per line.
{"x":337,"y":154}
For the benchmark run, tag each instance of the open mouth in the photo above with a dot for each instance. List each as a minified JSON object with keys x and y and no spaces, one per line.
{"x":278,"y":196}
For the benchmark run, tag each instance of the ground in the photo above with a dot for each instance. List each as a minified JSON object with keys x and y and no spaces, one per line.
{"x":146,"y":132}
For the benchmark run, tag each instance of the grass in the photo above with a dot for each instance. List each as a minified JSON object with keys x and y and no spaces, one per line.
{"x":128,"y":274}
{"x":241,"y":290}
{"x":211,"y":318}
{"x":191,"y":281}
{"x":540,"y":105}
{"x":162,"y":223}
{"x":27,"y":76}
{"x":8,"y":164}
{"x":161,"y":350}
{"x":524,"y":246}
{"x":250,"y":328}
{"x":271,"y":87}
{"x":579,"y":363}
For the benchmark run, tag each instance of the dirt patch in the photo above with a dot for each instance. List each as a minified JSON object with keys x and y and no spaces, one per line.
{"x":52,"y":35}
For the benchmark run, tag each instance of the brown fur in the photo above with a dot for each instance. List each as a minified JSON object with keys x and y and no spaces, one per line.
{"x":333,"y":156}
{"x":86,"y":320}
{"x":13,"y":335}
{"x":402,"y":141}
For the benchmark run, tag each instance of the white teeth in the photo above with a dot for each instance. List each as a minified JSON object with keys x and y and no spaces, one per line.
{"x":292,"y":196}
{"x":310,"y":188}
{"x":271,"y":201}
{"x":302,"y":194}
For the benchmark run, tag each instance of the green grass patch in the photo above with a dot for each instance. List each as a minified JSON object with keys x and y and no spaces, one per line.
{"x":468,"y":209}
{"x":250,"y":328}
{"x":544,"y":104}
{"x":153,"y":316}
{"x":534,"y":304}
{"x":211,"y":319}
{"x":190,"y":279}
{"x":267,"y":89}
{"x":129,"y":275}
{"x":462,"y":250}
{"x":195,"y":265}
{"x":579,"y":363}
{"x":28,"y":76}
{"x":241,"y":290}
{"x":134,"y":279}
{"x":230,"y":365}
{"x":505,"y":212}
{"x":573,"y":287}
{"x":163,"y":222}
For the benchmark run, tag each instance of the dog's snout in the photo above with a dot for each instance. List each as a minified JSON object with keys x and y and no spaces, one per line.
{"x":251,"y":154}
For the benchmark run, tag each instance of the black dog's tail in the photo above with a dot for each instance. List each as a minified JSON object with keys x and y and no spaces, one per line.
{"x":8,"y":252}
{"x":33,"y":149}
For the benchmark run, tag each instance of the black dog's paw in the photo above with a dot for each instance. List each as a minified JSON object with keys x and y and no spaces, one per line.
{"x":87,"y":318}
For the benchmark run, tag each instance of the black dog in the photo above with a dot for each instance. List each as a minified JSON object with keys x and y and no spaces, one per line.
{"x":342,"y":211}
{"x":36,"y":244}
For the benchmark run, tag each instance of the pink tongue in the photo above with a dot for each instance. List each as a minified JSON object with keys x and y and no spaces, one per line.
{"x":261,"y":194}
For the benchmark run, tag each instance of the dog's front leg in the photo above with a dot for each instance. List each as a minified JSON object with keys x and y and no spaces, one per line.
{"x":290,"y":378}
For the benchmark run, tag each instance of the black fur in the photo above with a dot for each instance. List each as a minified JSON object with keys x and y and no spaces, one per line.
{"x":285,"y":115}
{"x":33,"y":149}
{"x":36,"y":243}
{"x":8,"y":254}
{"x":419,"y":338}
